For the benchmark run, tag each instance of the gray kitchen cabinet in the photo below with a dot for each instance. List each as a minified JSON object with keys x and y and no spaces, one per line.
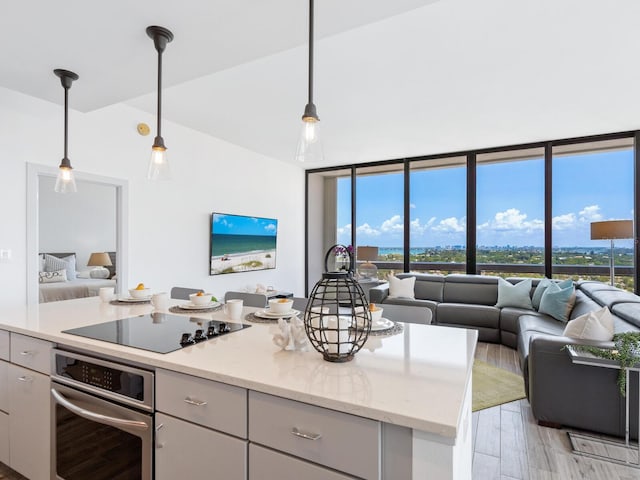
{"x":29,"y":422}
{"x":188,"y":451}
{"x":265,"y":463}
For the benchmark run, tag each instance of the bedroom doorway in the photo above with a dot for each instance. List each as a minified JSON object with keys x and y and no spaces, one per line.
{"x":92,"y":220}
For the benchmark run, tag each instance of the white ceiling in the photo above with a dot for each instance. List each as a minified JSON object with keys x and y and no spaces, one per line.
{"x":393,"y":78}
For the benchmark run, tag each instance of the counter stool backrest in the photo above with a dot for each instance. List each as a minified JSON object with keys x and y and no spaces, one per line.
{"x":182,"y":293}
{"x":258,"y":300}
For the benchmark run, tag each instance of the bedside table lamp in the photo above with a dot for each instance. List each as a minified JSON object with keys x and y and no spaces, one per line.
{"x":611,"y":230}
{"x":99,"y":260}
{"x":368,"y":269}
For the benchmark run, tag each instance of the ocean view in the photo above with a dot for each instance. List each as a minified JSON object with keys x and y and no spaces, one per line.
{"x":229,"y":244}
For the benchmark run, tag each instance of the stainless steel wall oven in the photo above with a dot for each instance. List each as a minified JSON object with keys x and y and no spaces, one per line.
{"x":102,"y":419}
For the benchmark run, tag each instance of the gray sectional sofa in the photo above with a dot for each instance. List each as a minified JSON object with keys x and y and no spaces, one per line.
{"x":560,"y":393}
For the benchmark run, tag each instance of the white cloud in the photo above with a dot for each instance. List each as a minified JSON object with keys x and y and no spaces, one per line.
{"x":512,"y":220}
{"x":590,"y":214}
{"x":393,"y":225}
{"x":416,"y":228}
{"x":345,"y":230}
{"x":451,"y":225}
{"x":270,"y":228}
{"x":366,"y":229}
{"x":412,"y":205}
{"x":566,"y":221}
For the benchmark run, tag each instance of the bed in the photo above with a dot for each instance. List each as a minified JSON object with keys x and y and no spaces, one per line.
{"x":54,"y":285}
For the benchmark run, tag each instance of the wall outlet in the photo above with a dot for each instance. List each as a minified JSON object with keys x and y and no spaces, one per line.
{"x":5,"y":255}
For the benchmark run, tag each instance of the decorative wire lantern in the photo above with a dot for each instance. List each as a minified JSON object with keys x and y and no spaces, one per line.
{"x":337,"y":318}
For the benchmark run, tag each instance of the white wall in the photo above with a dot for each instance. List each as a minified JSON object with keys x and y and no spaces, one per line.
{"x":168,"y":222}
{"x":82,"y":223}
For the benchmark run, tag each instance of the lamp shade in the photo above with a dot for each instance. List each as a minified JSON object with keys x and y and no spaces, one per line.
{"x":367,"y":254}
{"x":611,"y":229}
{"x":99,"y":259}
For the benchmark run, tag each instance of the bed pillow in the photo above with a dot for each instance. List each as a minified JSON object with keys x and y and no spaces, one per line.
{"x":52,"y":277}
{"x":53,"y":264}
{"x":558,"y":302}
{"x":402,"y":287}
{"x":596,"y":325}
{"x":516,"y":296}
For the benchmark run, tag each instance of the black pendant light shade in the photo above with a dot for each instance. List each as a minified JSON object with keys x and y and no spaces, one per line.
{"x":309,"y":144}
{"x":65,"y":181}
{"x":158,"y":164}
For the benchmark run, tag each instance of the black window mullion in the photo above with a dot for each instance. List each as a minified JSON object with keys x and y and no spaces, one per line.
{"x":471,"y":214}
{"x":407,"y":215}
{"x":636,"y":211}
{"x":548,"y":210}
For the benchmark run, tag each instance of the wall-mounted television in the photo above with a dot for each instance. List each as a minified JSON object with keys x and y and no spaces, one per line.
{"x":241,"y":243}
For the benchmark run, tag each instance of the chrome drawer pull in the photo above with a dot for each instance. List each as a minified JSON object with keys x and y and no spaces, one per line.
{"x":308,"y":436}
{"x":197,"y":403}
{"x":24,"y":353}
{"x":25,"y":378}
{"x":159,"y":444}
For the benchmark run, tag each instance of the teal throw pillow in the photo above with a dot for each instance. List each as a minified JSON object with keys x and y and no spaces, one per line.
{"x":558,"y":302}
{"x":542,"y":286}
{"x":514,"y":295}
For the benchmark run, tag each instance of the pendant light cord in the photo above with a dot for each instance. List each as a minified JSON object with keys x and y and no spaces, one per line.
{"x":159,"y":133}
{"x":66,"y":119}
{"x":311,"y":51}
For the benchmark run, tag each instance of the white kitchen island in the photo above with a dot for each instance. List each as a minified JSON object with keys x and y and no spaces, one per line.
{"x":415,"y":386}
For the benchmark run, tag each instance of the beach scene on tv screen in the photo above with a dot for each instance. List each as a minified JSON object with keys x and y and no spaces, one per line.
{"x":242,"y":244}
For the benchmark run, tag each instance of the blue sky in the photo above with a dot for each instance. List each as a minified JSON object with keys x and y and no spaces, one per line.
{"x":510,"y":207}
{"x":241,"y":225}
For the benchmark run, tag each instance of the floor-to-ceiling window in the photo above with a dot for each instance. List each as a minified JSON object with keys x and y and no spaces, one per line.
{"x":438,"y":218}
{"x":592,"y":182}
{"x":510,"y":212}
{"x":513,"y":211}
{"x":380,"y":217}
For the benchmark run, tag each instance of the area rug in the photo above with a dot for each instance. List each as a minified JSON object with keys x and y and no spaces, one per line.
{"x":494,"y":386}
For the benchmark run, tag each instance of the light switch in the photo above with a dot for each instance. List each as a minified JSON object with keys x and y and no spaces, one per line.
{"x":5,"y":255}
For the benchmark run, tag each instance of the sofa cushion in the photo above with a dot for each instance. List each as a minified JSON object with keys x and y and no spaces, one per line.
{"x":610,"y":297}
{"x":430,"y":304}
{"x":427,"y":286}
{"x":596,"y":325}
{"x":473,"y":289}
{"x":590,"y":286}
{"x":468,"y":315}
{"x":516,"y":296}
{"x":558,"y":302}
{"x":629,"y":313}
{"x":401,"y":287}
{"x":510,"y":318}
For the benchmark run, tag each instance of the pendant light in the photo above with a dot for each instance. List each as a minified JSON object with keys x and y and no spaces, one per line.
{"x":65,"y":181}
{"x":158,"y":164}
{"x":309,"y":144}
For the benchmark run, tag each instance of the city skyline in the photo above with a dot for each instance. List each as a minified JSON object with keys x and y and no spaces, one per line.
{"x":510,"y":203}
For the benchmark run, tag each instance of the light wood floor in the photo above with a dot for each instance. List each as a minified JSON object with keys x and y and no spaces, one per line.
{"x":509,"y":444}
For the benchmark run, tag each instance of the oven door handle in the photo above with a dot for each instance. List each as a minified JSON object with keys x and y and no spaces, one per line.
{"x":97,"y":417}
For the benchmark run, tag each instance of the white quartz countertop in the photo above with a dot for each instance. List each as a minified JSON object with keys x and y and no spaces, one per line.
{"x":417,"y":378}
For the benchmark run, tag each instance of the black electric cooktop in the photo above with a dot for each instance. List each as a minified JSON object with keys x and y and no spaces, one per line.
{"x":157,"y":332}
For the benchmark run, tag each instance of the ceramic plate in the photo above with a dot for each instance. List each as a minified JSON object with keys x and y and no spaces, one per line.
{"x":382,"y":324}
{"x":191,"y":306}
{"x":268,"y":314}
{"x":135,"y":300}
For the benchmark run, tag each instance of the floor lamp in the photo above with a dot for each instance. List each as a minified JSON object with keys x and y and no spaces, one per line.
{"x":611,"y":230}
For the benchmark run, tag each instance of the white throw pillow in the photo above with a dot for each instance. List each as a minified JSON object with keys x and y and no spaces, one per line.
{"x":596,"y":325}
{"x":52,"y":277}
{"x":402,"y":287}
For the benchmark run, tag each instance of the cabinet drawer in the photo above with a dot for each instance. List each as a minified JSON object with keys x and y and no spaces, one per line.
{"x":264,"y":463}
{"x":31,"y":353}
{"x":4,"y":438}
{"x":187,"y":451}
{"x":345,"y":442}
{"x":4,"y":345}
{"x":204,"y":402}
